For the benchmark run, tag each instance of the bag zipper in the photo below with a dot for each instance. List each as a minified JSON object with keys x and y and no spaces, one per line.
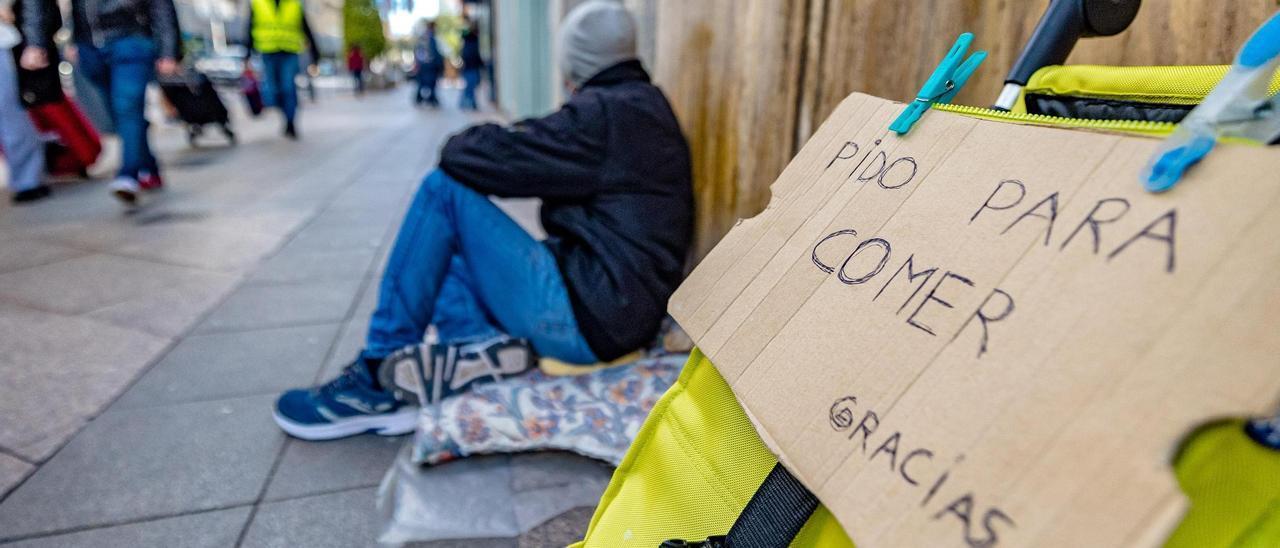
{"x":1138,"y":127}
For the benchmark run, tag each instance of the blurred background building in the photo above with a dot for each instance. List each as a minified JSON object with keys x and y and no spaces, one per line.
{"x":732,"y":68}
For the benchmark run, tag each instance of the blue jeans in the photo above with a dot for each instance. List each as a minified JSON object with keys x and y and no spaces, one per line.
{"x":462,"y":264}
{"x":471,"y":77}
{"x":279,"y":84}
{"x":427,"y":77}
{"x":22,"y":147}
{"x":121,"y":69}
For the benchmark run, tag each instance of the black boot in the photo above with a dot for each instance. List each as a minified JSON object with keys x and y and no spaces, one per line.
{"x":32,"y":194}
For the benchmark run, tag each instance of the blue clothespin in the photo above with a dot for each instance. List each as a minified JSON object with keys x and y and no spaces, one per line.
{"x":1237,"y":107}
{"x":1265,"y":431}
{"x":943,"y":85}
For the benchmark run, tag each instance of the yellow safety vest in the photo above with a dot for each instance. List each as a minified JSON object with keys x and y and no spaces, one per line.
{"x":277,"y":28}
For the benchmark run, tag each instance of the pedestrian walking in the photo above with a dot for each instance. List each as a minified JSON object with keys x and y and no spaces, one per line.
{"x":278,"y":30}
{"x":355,"y":65}
{"x":120,"y":45}
{"x":472,"y":66}
{"x":22,"y":147}
{"x":429,"y":65}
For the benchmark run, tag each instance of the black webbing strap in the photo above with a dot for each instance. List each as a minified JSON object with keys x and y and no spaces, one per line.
{"x":772,"y":518}
{"x":775,"y":514}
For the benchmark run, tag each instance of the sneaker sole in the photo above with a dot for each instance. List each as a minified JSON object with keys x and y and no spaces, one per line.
{"x":126,"y":197}
{"x":394,"y":424}
{"x":403,"y":376}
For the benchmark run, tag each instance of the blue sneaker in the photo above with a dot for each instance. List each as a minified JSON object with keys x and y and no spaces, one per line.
{"x":345,"y":406}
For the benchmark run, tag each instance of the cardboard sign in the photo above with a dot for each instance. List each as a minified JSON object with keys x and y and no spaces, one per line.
{"x":988,"y":334}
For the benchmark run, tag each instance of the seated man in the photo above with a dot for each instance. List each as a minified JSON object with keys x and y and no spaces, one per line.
{"x":613,"y":172}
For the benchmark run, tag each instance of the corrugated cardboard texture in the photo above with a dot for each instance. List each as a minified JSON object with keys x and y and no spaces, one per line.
{"x":988,"y":334}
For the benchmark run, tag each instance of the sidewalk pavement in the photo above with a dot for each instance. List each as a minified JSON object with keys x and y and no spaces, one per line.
{"x":141,"y":353}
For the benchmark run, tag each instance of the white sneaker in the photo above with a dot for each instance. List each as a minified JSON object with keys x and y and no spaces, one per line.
{"x":125,"y":189}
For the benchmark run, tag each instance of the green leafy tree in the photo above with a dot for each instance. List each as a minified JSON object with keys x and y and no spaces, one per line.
{"x":362,"y":24}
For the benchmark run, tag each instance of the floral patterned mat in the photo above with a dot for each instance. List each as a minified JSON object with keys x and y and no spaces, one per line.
{"x":595,"y":415}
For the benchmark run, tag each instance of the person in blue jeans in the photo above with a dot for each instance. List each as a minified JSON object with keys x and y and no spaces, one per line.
{"x":121,"y":45}
{"x":429,"y":63}
{"x":23,"y":150}
{"x":278,"y":30}
{"x":472,"y":66}
{"x":19,"y":141}
{"x":613,"y":172}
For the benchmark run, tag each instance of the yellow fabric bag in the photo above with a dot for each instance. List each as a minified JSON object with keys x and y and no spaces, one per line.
{"x":698,"y":460}
{"x":692,"y":468}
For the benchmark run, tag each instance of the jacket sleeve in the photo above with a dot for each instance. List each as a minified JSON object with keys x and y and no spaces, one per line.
{"x":248,"y":32}
{"x":557,"y":156}
{"x":164,"y":25}
{"x":311,"y":40}
{"x":40,"y":19}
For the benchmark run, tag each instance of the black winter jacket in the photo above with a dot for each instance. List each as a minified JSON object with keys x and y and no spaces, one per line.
{"x":97,"y":21}
{"x":613,"y":171}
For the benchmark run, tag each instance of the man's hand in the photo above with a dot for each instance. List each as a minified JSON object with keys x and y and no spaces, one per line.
{"x":166,"y":66}
{"x":72,"y":54}
{"x":6,"y":15}
{"x":34,"y":58}
{"x":313,"y":70}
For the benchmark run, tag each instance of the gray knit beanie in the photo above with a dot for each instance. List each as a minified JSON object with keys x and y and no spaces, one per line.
{"x":595,"y":36}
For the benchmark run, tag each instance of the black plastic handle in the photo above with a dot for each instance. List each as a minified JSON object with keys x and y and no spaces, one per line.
{"x":1064,"y":23}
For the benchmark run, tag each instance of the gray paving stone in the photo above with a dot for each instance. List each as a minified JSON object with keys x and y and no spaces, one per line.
{"x":561,"y":530}
{"x":541,"y":470}
{"x":331,"y":238}
{"x":467,"y":543}
{"x":368,"y":219}
{"x":181,"y":235}
{"x":74,"y":202}
{"x":292,"y":265}
{"x":25,"y":253}
{"x":12,"y":471}
{"x":216,"y":529}
{"x":199,"y":246}
{"x":270,"y":221}
{"x":134,"y":464}
{"x":317,"y":467}
{"x":257,"y":307}
{"x":169,"y":312}
{"x":368,"y":298}
{"x":58,"y":371}
{"x":339,"y":520}
{"x":380,"y":199}
{"x":95,"y":281}
{"x":92,"y":233}
{"x":226,"y":365}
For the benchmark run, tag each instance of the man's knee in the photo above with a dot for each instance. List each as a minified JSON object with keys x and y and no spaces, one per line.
{"x":442,"y":190}
{"x":438,"y":181}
